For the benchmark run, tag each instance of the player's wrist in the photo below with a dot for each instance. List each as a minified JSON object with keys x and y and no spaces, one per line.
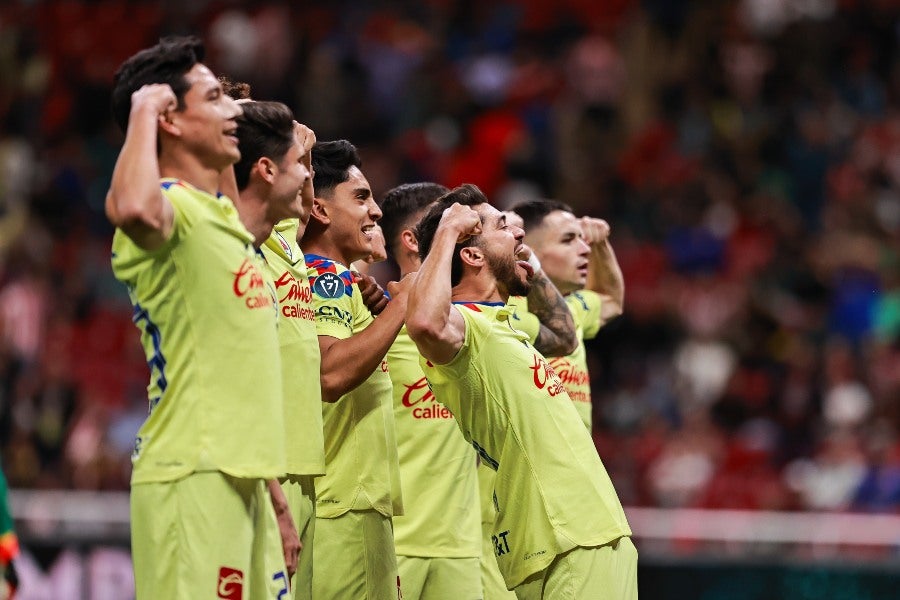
{"x":534,"y":261}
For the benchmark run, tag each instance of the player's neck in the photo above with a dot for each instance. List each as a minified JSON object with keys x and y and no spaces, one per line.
{"x":252,"y":213}
{"x":478,"y":288}
{"x":408,"y":265}
{"x":321,"y":246}
{"x":189,"y":169}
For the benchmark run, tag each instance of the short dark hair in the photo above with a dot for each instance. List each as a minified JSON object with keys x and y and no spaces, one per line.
{"x":401,"y":204}
{"x":467,"y":195}
{"x":331,"y":162}
{"x":533,"y":212}
{"x":166,"y":62}
{"x":264,"y":129}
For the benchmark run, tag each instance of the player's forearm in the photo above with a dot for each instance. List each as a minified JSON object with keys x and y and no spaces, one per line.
{"x":134,"y":195}
{"x":605,"y":276}
{"x":557,"y":336}
{"x":349,"y":362}
{"x":279,"y":501}
{"x":429,"y":307}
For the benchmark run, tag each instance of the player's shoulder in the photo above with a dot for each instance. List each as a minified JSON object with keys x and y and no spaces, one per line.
{"x":584,"y":299}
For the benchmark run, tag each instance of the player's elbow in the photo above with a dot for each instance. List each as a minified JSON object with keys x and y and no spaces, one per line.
{"x":333,"y":387}
{"x":330,"y":391}
{"x":569,"y":345}
{"x":611,"y":310}
{"x":127,"y":213}
{"x":421,"y":329}
{"x":556,"y":346}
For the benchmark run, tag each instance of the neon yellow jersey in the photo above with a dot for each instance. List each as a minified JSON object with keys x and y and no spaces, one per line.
{"x":299,"y":351}
{"x":206,"y":311}
{"x":551,"y":492}
{"x":437,"y":467}
{"x":521,"y":319}
{"x":572,"y":369}
{"x":361,"y":470}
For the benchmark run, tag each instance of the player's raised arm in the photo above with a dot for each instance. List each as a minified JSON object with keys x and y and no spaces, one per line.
{"x":135,"y":203}
{"x":346,"y":363}
{"x":557,"y":336}
{"x":604,"y":274}
{"x":433,"y":324}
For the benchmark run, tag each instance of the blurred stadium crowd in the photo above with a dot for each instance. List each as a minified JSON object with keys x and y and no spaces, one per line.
{"x":746,"y":154}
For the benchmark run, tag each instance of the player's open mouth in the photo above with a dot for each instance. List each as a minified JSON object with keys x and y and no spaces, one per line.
{"x":529,"y":270}
{"x":231,"y":134}
{"x":367,"y":231}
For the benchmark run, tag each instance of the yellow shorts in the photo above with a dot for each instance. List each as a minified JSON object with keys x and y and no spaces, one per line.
{"x":439,"y":578}
{"x":491,"y":579}
{"x":599,"y":573}
{"x":196,"y":537}
{"x":300,"y":493}
{"x":355,"y":558}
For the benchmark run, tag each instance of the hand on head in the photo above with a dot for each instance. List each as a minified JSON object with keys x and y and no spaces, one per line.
{"x":306,"y":136}
{"x":157,"y":97}
{"x":462,"y":219}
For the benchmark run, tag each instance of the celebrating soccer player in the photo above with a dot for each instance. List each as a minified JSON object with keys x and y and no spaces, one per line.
{"x":208,"y":327}
{"x":440,"y":558}
{"x":274,"y":176}
{"x":360,"y":491}
{"x":577,"y":256}
{"x":560,"y":531}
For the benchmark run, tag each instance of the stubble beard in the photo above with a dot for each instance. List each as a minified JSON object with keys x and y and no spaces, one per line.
{"x":507,"y":276}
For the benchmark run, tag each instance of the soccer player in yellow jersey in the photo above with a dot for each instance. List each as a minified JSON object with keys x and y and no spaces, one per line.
{"x":438,"y":538}
{"x":200,"y":507}
{"x":274,"y":179}
{"x":560,"y":531}
{"x":577,"y":256}
{"x":360,"y":492}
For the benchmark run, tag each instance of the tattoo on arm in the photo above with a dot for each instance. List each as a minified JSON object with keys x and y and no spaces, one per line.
{"x":557,"y":333}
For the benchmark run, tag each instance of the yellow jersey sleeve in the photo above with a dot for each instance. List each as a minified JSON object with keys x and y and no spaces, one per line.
{"x":585,"y":307}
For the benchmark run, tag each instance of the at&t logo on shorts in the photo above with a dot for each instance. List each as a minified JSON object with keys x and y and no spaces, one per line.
{"x":231,"y":584}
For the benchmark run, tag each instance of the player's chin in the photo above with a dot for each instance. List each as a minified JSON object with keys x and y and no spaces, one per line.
{"x":365,"y":248}
{"x":519,"y":287}
{"x":230,"y":155}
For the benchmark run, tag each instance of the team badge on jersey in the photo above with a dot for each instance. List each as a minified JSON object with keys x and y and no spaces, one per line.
{"x":285,"y":246}
{"x":329,"y":285}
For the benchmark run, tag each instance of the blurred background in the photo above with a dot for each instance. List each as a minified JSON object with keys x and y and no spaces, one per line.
{"x":745,"y":152}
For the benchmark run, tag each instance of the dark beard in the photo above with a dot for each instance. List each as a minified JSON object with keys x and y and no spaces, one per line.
{"x":504,"y":271}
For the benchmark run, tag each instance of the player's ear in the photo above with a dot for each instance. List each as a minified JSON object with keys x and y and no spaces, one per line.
{"x":168,"y":124}
{"x":409,"y":241}
{"x":266,"y":169}
{"x":472,"y":256}
{"x":320,"y":211}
